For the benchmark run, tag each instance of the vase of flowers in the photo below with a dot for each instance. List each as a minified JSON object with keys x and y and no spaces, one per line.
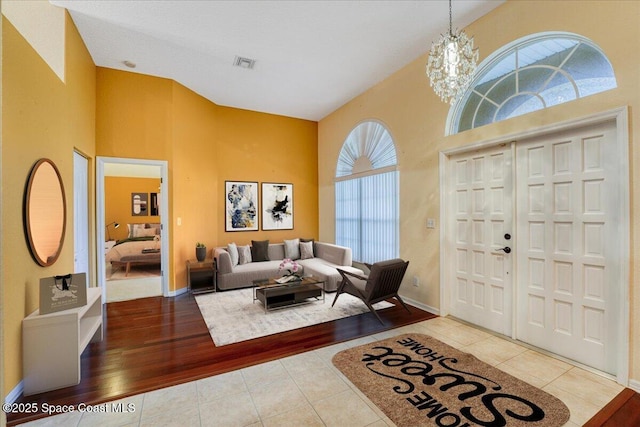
{"x":291,"y":268}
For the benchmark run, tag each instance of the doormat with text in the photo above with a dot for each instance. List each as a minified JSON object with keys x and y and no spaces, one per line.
{"x":417,"y":380}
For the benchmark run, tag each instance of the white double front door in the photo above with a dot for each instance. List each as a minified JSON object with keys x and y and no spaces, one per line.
{"x":533,"y":241}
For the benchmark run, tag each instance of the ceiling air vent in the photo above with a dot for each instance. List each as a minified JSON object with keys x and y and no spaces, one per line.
{"x":244,"y":62}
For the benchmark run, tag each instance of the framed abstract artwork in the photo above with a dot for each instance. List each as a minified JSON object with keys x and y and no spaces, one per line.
{"x":241,"y":206}
{"x":139,"y":204}
{"x":277,"y":206}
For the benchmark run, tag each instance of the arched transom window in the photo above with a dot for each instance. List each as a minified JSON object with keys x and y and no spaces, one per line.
{"x":366,"y":187}
{"x":530,"y":74}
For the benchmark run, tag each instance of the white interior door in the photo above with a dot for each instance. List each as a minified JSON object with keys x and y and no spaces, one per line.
{"x":568,"y":255}
{"x":480,"y":202}
{"x":81,"y":213}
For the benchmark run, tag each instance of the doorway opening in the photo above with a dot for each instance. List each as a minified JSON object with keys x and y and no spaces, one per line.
{"x":132,"y":224}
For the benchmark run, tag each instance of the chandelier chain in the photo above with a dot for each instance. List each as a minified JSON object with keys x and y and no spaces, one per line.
{"x":450,"y":20}
{"x":452,"y":63}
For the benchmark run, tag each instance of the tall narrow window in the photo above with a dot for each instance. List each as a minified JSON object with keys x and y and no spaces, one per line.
{"x":367,"y":194}
{"x":533,"y":73}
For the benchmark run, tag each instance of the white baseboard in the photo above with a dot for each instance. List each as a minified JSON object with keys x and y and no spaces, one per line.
{"x":15,"y":393}
{"x":634,"y":385}
{"x":420,"y":305}
{"x":178,"y":292}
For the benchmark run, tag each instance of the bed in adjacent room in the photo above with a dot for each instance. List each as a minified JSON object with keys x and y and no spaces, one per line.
{"x":141,"y":247}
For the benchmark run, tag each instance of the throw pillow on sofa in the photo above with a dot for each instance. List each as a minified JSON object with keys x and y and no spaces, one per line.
{"x":259,"y":250}
{"x":312,"y":247}
{"x":244,"y":255}
{"x":232,"y":248}
{"x":306,"y":250}
{"x":292,"y":249}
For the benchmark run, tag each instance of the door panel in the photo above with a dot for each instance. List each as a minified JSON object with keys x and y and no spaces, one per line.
{"x":567,"y":282}
{"x":480,"y":195}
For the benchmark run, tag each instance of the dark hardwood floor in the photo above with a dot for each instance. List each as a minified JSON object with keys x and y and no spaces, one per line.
{"x":158,"y":342}
{"x":622,"y":411}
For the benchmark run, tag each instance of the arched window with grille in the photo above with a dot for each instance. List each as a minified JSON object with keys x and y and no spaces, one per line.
{"x":532,"y":73}
{"x":366,"y":189}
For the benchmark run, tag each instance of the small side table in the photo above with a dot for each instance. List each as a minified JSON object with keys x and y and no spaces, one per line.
{"x":201,"y":276}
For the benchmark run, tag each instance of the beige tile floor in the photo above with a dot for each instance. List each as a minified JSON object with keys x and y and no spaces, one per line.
{"x":307,"y":390}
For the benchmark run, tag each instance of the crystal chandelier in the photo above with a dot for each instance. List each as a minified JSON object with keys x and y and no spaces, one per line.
{"x":451,"y":64}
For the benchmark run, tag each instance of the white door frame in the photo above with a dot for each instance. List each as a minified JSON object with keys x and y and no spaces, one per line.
{"x":621,"y":117}
{"x":81,"y":218}
{"x":164,"y":217}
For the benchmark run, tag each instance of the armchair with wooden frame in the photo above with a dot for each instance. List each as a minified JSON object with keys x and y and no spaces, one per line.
{"x":382,"y":283}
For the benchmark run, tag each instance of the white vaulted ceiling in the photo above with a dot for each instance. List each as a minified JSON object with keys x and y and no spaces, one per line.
{"x":311,"y":56}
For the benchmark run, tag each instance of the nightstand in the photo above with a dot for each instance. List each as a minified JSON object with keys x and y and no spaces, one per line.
{"x":201,"y":276}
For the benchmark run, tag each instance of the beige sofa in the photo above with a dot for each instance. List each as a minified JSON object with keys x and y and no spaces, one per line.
{"x":323,"y":265}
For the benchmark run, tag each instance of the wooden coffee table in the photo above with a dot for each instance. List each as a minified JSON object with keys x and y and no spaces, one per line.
{"x":274,"y":295}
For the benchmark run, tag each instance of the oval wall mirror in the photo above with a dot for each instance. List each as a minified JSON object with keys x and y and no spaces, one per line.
{"x":45,"y":212}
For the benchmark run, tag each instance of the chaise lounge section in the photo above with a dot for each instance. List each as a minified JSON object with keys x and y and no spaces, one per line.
{"x":323,"y":263}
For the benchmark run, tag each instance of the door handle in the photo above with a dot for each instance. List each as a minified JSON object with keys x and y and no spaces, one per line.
{"x":506,"y":249}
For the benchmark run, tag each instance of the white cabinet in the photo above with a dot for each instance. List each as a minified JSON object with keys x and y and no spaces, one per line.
{"x":52,"y":344}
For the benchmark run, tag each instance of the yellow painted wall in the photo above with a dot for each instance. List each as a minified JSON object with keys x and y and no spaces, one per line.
{"x":134,"y":120}
{"x":205,"y":145}
{"x":3,"y":415}
{"x":266,"y":148}
{"x":194,"y":179}
{"x":41,"y":117}
{"x":117,"y":207}
{"x":133,"y":115}
{"x":416,"y":119}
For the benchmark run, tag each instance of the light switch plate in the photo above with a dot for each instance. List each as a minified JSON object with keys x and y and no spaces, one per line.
{"x":431,"y":223}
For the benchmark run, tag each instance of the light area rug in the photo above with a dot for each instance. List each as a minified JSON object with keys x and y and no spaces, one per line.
{"x":417,"y":380}
{"x":231,"y":316}
{"x":142,"y":282}
{"x":142,"y":287}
